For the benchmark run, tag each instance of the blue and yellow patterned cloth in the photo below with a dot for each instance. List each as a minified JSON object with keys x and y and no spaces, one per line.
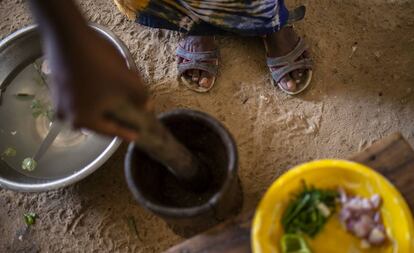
{"x":209,"y":17}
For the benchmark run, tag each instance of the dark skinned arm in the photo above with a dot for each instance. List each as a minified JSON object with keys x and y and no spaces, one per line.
{"x":90,"y":79}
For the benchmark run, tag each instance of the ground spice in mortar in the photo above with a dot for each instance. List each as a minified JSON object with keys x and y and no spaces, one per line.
{"x":174,"y":194}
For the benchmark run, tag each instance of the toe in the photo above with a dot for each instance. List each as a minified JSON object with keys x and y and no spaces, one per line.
{"x":206,"y":80}
{"x":196,"y":75}
{"x":288,"y":83}
{"x":296,"y":75}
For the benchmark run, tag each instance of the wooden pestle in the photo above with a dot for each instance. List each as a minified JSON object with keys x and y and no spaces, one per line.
{"x":158,"y":142}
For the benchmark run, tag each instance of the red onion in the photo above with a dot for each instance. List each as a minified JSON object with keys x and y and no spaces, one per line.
{"x":361,"y":217}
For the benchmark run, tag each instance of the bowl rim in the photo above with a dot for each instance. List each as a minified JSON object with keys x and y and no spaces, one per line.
{"x":315,"y":165}
{"x":50,"y":184}
{"x":78,"y":175}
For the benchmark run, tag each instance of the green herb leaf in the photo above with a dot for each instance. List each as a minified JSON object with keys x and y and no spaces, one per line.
{"x":37,"y":108}
{"x":24,"y":96}
{"x":29,"y":218}
{"x":40,"y":108}
{"x":9,"y":152}
{"x":294,"y":243}
{"x":29,"y":164}
{"x":50,"y":114}
{"x":132,"y":226}
{"x":309,"y":210}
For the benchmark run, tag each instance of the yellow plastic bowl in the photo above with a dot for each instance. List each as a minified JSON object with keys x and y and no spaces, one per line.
{"x":331,"y":174}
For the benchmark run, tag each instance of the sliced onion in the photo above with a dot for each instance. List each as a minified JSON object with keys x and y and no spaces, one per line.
{"x":323,"y":209}
{"x":363,"y":226}
{"x":361,"y":217}
{"x":375,"y":200}
{"x":376,"y":237}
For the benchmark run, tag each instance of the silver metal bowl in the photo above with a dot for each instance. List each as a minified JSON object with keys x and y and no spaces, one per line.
{"x":74,"y":154}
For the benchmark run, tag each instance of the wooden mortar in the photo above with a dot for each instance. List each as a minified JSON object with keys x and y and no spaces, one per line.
{"x":157,"y":189}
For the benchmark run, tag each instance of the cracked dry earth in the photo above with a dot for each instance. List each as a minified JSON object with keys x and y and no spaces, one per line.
{"x":355,"y":98}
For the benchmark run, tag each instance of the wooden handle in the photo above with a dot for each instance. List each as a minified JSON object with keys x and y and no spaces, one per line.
{"x":157,"y":141}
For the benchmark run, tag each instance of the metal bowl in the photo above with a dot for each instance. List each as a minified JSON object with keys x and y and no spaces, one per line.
{"x":74,"y":154}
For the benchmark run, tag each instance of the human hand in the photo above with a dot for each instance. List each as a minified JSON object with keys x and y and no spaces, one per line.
{"x":91,"y":81}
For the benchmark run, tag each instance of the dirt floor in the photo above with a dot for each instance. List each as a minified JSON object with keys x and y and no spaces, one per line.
{"x":355,"y":98}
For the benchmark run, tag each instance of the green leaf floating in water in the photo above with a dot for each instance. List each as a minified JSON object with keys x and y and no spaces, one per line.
{"x":50,"y":114}
{"x":24,"y":96}
{"x":29,"y":218}
{"x":9,"y":152}
{"x":29,"y":164}
{"x":38,"y":108}
{"x":41,"y":108}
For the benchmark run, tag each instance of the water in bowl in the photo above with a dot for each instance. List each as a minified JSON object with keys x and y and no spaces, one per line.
{"x":22,"y":131}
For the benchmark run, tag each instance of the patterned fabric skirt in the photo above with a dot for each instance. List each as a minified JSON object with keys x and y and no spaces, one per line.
{"x":209,"y":17}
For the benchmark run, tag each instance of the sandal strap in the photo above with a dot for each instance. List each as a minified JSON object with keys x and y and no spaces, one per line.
{"x":197,"y":56}
{"x":296,"y":15}
{"x":277,"y":74}
{"x":290,"y":58}
{"x":198,"y":60}
{"x":208,"y":67}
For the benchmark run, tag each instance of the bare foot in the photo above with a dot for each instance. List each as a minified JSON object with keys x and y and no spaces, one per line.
{"x":198,"y":44}
{"x":281,"y":43}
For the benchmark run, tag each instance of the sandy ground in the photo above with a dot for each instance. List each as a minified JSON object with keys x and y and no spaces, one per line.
{"x":352,"y":102}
